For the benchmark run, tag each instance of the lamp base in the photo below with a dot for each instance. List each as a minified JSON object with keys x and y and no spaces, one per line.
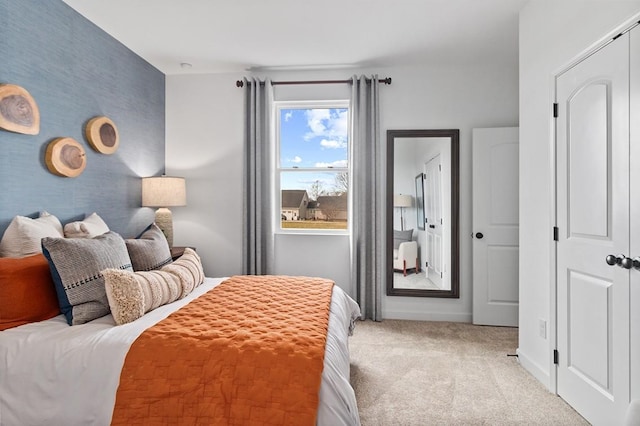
{"x":164,"y":220}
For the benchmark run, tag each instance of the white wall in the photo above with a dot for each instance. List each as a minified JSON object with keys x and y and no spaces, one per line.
{"x":552,"y":35}
{"x":449,"y":97}
{"x":204,"y":144}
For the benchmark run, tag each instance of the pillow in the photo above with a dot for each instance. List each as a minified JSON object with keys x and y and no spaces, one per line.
{"x":90,"y":227}
{"x":401,"y":237}
{"x":150,"y":250}
{"x":133,"y":294}
{"x":22,"y":236}
{"x":27,"y":293}
{"x":75,"y":265}
{"x":189,"y":268}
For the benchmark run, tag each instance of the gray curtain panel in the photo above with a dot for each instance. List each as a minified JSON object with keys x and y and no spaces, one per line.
{"x":367,"y":238}
{"x":257,"y":246}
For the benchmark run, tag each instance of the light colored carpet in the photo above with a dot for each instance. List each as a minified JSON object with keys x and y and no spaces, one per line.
{"x":442,"y":373}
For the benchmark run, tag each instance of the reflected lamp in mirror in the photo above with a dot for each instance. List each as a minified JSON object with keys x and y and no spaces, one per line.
{"x":402,"y":201}
{"x":164,"y":192}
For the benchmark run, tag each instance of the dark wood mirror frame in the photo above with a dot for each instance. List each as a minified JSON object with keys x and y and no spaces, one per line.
{"x":454,"y":135}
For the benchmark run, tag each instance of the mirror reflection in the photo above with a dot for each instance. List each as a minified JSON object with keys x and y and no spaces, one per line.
{"x":422,"y":213}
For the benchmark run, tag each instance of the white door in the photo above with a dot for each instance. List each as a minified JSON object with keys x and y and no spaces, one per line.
{"x":495,"y":226}
{"x":433,"y":221}
{"x":592,"y":143}
{"x":634,"y":191}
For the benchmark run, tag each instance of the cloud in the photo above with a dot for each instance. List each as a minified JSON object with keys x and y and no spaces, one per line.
{"x":327,"y":123}
{"x":296,"y":159}
{"x":338,"y":163}
{"x":288,"y":115}
{"x":333,"y":144}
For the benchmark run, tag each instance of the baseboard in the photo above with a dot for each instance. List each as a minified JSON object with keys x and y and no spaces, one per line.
{"x":426,"y":316}
{"x":534,"y":369}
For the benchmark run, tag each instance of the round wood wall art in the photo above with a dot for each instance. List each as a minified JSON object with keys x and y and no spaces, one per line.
{"x":18,"y":110}
{"x":65,"y":157}
{"x":102,"y":135}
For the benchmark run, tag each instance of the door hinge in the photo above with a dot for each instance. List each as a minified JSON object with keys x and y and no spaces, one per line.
{"x":441,"y":275}
{"x":555,"y":357}
{"x":556,"y":233}
{"x":439,"y":167}
{"x":426,"y":264}
{"x":555,"y":110}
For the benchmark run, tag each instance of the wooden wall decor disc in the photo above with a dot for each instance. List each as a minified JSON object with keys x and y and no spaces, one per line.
{"x":65,"y":157}
{"x":102,"y":135}
{"x":19,"y":112}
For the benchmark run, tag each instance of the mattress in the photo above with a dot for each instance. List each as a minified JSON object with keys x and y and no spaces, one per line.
{"x":51,"y":373}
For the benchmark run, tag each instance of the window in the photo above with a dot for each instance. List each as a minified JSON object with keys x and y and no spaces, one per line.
{"x":313,"y":165}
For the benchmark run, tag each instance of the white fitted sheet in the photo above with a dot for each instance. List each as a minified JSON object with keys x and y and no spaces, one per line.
{"x":53,"y":373}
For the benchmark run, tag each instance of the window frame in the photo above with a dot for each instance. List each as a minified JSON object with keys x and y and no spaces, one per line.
{"x":278,"y":168}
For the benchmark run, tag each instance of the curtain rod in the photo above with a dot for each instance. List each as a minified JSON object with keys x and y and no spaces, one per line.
{"x":240,"y":83}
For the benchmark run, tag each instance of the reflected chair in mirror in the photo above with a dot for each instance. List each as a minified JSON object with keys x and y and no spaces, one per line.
{"x":405,"y":252}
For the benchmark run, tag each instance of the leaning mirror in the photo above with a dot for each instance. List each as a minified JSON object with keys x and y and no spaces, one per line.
{"x":422,"y":213}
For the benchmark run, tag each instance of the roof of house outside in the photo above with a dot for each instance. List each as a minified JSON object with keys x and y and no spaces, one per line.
{"x":337,"y":202}
{"x":292,"y":198}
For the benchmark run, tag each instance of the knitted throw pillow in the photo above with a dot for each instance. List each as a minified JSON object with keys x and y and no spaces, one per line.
{"x":133,"y":294}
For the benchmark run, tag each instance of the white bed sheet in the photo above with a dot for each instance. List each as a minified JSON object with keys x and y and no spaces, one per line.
{"x":51,"y":373}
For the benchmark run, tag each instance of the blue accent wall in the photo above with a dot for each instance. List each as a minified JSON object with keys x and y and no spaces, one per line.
{"x":76,"y":71}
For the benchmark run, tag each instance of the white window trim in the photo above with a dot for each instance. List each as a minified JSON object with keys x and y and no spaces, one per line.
{"x":277,"y":169}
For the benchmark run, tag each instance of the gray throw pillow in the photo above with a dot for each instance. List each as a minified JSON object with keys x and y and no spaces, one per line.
{"x":401,"y":237}
{"x":150,"y":251}
{"x":76,"y":265}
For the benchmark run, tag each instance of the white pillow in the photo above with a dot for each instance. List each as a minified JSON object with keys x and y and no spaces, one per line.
{"x":23,"y":235}
{"x":90,"y":227}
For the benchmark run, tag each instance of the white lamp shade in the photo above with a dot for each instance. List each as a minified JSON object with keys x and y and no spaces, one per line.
{"x":401,"y":200}
{"x":163,"y":191}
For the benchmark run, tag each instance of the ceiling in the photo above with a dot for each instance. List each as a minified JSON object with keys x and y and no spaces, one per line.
{"x":217,"y":36}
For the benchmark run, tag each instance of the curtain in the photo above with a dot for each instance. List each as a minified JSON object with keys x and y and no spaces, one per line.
{"x":367,"y":202}
{"x":257,"y":248}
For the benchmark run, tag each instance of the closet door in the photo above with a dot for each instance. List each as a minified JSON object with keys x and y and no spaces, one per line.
{"x":496,"y":249}
{"x":593,"y":234}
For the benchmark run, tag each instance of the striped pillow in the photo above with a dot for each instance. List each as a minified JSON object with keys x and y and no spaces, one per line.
{"x":133,"y":294}
{"x":76,"y":265}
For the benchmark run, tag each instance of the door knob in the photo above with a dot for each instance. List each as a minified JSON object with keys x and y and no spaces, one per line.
{"x":432,"y":226}
{"x":479,"y":235}
{"x":624,"y":261}
{"x":614,"y":260}
{"x":627,"y":263}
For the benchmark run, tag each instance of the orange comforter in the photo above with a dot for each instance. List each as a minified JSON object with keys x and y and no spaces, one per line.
{"x":248,"y":352}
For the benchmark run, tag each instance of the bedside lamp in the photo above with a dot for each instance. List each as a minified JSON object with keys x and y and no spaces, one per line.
{"x":163,"y":192}
{"x":402,"y":201}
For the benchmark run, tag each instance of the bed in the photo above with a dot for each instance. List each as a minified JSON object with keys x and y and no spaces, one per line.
{"x":54,"y":373}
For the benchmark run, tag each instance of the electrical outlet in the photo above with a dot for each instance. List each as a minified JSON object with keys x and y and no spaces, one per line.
{"x":542,"y":326}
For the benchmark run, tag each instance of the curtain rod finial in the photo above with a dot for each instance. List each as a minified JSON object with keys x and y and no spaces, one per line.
{"x":239,"y":83}
{"x":387,"y":80}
